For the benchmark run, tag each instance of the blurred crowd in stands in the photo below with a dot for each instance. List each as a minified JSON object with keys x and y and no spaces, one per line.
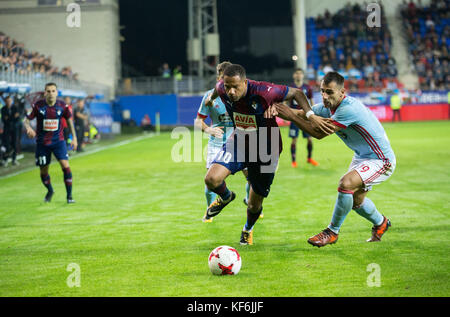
{"x":363,"y":54}
{"x":14,"y":57}
{"x":428,"y":35}
{"x":345,"y":43}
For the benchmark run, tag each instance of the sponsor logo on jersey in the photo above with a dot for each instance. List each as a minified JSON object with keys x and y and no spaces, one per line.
{"x":50,"y":124}
{"x":245,"y":121}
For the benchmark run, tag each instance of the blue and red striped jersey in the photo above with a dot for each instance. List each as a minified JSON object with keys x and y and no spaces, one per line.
{"x":49,"y":129}
{"x":306,"y":89}
{"x":248,"y":112}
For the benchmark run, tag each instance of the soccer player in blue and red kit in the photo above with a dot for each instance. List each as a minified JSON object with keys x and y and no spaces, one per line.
{"x":49,"y":136}
{"x":255,"y":143}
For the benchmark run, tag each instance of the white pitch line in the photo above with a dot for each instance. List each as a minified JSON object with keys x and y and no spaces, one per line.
{"x":138,"y":138}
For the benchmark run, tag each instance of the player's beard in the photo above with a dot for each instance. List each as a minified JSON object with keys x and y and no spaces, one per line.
{"x":50,"y":100}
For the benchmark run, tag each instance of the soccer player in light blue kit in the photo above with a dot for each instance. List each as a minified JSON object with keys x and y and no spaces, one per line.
{"x":373,"y":162}
{"x":221,"y":122}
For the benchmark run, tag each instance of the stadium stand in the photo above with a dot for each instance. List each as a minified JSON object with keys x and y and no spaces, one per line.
{"x":25,"y":71}
{"x":428,"y":35}
{"x":344,"y":43}
{"x":14,"y":57}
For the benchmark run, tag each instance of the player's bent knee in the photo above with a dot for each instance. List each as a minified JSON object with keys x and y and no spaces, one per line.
{"x":255,"y":203}
{"x":43,"y":170}
{"x":212,"y":181}
{"x":346,"y":184}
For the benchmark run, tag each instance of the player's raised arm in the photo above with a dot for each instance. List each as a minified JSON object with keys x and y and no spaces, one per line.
{"x":317,"y":122}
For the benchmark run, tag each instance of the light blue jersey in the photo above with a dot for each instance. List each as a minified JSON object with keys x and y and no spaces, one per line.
{"x":361,"y":131}
{"x":219,"y":117}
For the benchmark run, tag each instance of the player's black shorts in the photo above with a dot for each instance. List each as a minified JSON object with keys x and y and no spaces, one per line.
{"x":260,"y":175}
{"x":293,"y":131}
{"x":44,"y":153}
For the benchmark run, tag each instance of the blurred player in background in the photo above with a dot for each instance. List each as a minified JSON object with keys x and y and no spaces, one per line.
{"x":10,"y":116}
{"x":219,"y":131}
{"x":373,"y":163}
{"x":81,"y":119}
{"x":66,"y":128}
{"x":246,"y":102}
{"x":293,"y":129}
{"x":50,"y":138}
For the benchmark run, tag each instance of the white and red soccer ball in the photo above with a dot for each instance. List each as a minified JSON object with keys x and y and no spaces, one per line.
{"x":224,"y":260}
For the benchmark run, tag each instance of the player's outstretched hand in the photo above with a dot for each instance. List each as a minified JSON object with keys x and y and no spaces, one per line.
{"x":322,"y":124}
{"x":283,"y":111}
{"x":216,"y":131}
{"x":31,"y":133}
{"x":270,"y":112}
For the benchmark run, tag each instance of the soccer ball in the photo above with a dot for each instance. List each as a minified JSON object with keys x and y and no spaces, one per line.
{"x":224,"y":260}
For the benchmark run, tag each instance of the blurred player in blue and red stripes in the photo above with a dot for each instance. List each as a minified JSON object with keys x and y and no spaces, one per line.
{"x":219,"y":131}
{"x":293,"y":129}
{"x":255,"y":143}
{"x":49,"y":135}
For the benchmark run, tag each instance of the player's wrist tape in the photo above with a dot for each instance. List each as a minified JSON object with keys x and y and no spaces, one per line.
{"x":309,"y":114}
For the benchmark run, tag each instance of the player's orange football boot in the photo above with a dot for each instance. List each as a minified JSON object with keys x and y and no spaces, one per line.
{"x":206,"y":218}
{"x":313,"y":162}
{"x":322,"y":239}
{"x":378,"y":231}
{"x":246,"y":238}
{"x":216,"y":206}
{"x":294,"y":164}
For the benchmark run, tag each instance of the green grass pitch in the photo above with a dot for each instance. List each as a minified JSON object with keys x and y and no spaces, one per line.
{"x":136,"y":228}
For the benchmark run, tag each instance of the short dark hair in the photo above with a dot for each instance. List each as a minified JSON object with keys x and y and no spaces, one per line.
{"x":333,"y":76}
{"x":235,"y":70}
{"x":50,"y":84}
{"x":299,"y":69}
{"x":221,"y":67}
